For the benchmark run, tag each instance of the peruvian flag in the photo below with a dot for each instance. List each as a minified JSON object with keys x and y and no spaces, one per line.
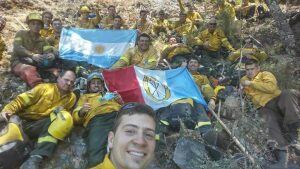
{"x":156,"y":88}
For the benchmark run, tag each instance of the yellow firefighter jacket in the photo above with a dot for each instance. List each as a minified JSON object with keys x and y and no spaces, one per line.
{"x":179,"y":49}
{"x":204,"y":86}
{"x":250,"y":53}
{"x":40,"y":101}
{"x":134,"y":56}
{"x":215,"y":40}
{"x":143,"y":25}
{"x":262,"y":89}
{"x":185,"y":28}
{"x":106,"y":164}
{"x":107,"y":21}
{"x":46,"y":32}
{"x":160,"y":25}
{"x":98,"y":106}
{"x":227,"y":10}
{"x":194,"y":16}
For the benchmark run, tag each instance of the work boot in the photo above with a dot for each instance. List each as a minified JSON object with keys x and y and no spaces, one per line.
{"x":282,"y":160}
{"x":33,"y":162}
{"x":295,"y":137}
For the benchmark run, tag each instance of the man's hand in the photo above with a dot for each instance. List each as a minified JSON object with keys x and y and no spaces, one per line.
{"x":212,"y":104}
{"x":245,"y":83}
{"x":5,"y":116}
{"x":85,"y":108}
{"x":37,"y":57}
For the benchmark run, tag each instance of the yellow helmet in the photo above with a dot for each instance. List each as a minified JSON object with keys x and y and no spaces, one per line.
{"x":84,"y":9}
{"x":34,"y":16}
{"x":61,"y":124}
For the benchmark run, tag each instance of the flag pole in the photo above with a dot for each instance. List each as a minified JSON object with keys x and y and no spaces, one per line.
{"x":237,"y":142}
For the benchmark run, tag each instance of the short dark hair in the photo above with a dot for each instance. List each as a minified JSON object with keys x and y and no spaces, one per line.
{"x":144,"y":35}
{"x":111,"y":6}
{"x":194,"y":58}
{"x":132,"y":108}
{"x":47,"y":12}
{"x":143,"y":10}
{"x":117,"y":16}
{"x":251,"y":62}
{"x":63,"y":72}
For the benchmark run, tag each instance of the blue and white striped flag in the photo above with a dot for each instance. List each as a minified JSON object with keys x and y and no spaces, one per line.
{"x":98,"y":47}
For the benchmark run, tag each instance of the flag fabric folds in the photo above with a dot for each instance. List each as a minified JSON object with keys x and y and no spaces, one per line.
{"x":98,"y":47}
{"x":157,"y":88}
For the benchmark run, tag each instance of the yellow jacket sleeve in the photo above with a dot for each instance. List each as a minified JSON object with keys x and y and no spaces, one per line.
{"x":76,"y":118}
{"x":267,"y":84}
{"x":124,"y":60}
{"x":24,"y":100}
{"x":225,"y":41}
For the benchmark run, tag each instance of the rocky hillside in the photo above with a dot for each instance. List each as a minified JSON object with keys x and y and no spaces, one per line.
{"x":248,"y":128}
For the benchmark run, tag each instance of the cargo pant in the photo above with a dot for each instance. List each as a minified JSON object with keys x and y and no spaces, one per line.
{"x":279,"y":113}
{"x":46,"y":144}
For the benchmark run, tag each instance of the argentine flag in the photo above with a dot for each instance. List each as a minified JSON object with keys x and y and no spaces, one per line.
{"x":156,"y":88}
{"x":98,"y":47}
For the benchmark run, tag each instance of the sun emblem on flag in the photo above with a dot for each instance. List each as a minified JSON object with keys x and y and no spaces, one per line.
{"x":155,"y":89}
{"x":99,"y":49}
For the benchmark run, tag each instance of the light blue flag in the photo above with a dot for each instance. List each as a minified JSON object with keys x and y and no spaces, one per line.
{"x":98,"y":47}
{"x":161,"y":88}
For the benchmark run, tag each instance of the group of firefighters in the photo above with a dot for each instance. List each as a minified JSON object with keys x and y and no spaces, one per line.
{"x":49,"y":110}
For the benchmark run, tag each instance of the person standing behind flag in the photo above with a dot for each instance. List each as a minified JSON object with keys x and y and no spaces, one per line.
{"x":143,"y":55}
{"x":47,"y":30}
{"x":97,"y":113}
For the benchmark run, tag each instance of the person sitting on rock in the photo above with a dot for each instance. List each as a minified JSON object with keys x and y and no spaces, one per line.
{"x":210,"y":41}
{"x":248,"y":52}
{"x":143,"y":55}
{"x":174,"y":53}
{"x":45,"y":111}
{"x":280,"y":110}
{"x":2,"y":43}
{"x":183,"y":26}
{"x":161,"y":24}
{"x":225,"y":9}
{"x":47,"y":30}
{"x":96,"y":112}
{"x":87,"y":21}
{"x":193,"y":15}
{"x":29,"y":52}
{"x":143,"y":25}
{"x":246,"y":10}
{"x":131,"y":142}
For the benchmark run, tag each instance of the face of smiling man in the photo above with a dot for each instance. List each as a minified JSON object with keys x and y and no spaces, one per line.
{"x":132,"y":145}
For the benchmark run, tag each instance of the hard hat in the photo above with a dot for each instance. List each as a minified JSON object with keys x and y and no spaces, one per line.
{"x":84,"y":9}
{"x":61,"y":124}
{"x":94,"y":75}
{"x":34,"y":16}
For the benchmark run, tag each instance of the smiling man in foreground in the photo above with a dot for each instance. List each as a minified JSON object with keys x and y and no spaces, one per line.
{"x":132,"y":141}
